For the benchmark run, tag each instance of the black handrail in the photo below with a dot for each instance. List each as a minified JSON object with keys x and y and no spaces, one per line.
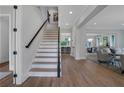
{"x":58,"y":65}
{"x":29,"y":44}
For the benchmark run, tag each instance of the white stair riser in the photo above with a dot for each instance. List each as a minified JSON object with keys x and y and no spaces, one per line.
{"x":50,"y":39}
{"x":47,"y":54}
{"x":56,"y":33}
{"x":52,"y":30}
{"x":49,"y":43}
{"x":47,"y":50}
{"x":44,"y":74}
{"x":48,"y":46}
{"x":52,"y":35}
{"x":44,"y":65}
{"x":45,"y":60}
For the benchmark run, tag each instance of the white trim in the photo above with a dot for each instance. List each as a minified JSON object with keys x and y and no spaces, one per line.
{"x":10,"y":48}
{"x":80,"y":58}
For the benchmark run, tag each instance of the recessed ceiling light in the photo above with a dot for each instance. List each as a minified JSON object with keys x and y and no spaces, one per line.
{"x":70,"y":12}
{"x":90,"y":39}
{"x":94,"y":23}
{"x":123,"y":24}
{"x":66,"y":24}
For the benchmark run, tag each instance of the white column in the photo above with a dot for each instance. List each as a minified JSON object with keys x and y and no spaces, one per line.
{"x":80,"y":40}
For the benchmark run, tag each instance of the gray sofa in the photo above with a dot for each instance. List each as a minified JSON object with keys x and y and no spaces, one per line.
{"x":103,"y":55}
{"x":122,"y":63}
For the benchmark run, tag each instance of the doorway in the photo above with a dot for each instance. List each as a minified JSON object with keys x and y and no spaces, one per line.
{"x":5,"y":28}
{"x":65,"y":43}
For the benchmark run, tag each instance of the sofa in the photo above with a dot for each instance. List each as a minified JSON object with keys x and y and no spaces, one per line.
{"x":104,"y":54}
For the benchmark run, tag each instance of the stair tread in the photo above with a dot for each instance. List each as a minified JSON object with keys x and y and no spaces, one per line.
{"x":54,"y":42}
{"x":50,"y":41}
{"x":52,"y":38}
{"x":47,"y":44}
{"x":47,"y":48}
{"x":46,"y":52}
{"x":43,"y":70}
{"x":46,"y":56}
{"x":44,"y":62}
{"x":51,"y":35}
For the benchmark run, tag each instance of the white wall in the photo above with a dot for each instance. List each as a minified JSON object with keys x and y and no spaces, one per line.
{"x":29,"y":20}
{"x":65,"y":30}
{"x":73,"y":39}
{"x":121,"y":39}
{"x":4,"y":39}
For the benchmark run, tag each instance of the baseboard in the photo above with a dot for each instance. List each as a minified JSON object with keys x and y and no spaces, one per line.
{"x":5,"y":61}
{"x":80,"y":58}
{"x":25,"y":77}
{"x":71,"y":55}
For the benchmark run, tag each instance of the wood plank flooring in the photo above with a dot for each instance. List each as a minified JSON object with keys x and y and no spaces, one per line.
{"x":82,"y":73}
{"x":8,"y":80}
{"x":4,"y":66}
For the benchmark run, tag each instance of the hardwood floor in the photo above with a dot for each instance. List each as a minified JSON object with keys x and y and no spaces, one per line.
{"x":83,"y":73}
{"x":8,"y":79}
{"x":4,"y":66}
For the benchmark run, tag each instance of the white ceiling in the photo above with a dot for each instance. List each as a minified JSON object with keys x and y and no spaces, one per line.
{"x":112,"y":17}
{"x":70,"y":19}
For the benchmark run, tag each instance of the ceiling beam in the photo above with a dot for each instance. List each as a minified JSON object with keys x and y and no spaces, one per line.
{"x":95,"y":11}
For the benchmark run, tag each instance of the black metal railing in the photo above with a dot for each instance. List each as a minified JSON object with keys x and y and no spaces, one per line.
{"x":31,"y":41}
{"x":58,"y":65}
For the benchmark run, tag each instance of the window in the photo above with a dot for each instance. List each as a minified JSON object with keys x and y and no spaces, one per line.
{"x":113,"y":40}
{"x":103,"y":40}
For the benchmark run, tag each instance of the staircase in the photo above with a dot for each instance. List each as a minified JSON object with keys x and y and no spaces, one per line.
{"x":46,"y":58}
